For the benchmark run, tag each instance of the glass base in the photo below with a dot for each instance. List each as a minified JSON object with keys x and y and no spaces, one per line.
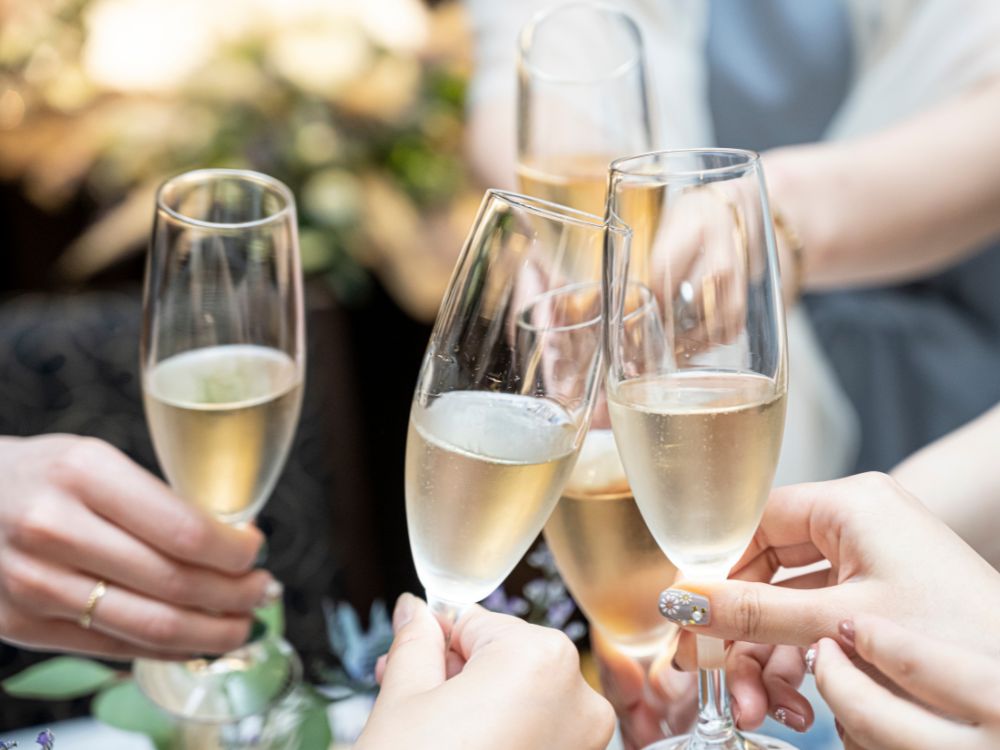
{"x":736,"y":742}
{"x":245,"y":682}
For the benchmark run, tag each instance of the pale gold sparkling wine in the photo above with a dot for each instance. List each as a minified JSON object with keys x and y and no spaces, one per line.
{"x":606,"y":555}
{"x":700,"y":447}
{"x":483,"y":471}
{"x":578,"y":181}
{"x":222,"y":420}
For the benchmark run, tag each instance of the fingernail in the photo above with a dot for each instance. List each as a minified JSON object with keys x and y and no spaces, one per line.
{"x":790,"y":719}
{"x":273,"y":592}
{"x":403,"y":612}
{"x":846,"y":630}
{"x":737,"y":711}
{"x":685,"y":608}
{"x":810,"y":659}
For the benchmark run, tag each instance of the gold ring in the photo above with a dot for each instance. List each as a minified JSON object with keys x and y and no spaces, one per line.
{"x":96,"y":594}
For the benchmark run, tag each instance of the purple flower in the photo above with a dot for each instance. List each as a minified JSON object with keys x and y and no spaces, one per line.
{"x":45,"y":739}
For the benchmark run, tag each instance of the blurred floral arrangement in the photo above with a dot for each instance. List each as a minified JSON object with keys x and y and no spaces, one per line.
{"x":356,"y":104}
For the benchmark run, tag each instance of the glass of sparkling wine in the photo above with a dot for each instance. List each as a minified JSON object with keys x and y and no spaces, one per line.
{"x":605,"y":553}
{"x":582,"y":101}
{"x":222,"y":359}
{"x":697,"y":392}
{"x":504,"y":396}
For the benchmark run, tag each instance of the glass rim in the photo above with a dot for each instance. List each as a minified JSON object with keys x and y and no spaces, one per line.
{"x":524,"y":40}
{"x":557,"y":211}
{"x":246,"y":175}
{"x":750,"y":160}
{"x":569,"y":288}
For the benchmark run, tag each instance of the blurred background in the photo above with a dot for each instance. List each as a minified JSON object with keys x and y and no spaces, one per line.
{"x":358,"y":106}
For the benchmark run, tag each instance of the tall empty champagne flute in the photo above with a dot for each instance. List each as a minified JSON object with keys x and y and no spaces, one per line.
{"x":504,"y":395}
{"x":222,"y":359}
{"x":582,"y":101}
{"x":697,"y":392}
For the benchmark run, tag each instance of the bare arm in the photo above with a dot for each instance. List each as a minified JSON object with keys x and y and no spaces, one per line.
{"x":958,"y":478}
{"x":900,"y":203}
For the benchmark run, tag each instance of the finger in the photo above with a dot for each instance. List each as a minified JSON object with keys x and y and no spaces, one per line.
{"x":380,"y":668}
{"x":686,"y":656}
{"x":745,"y":675}
{"x":79,"y":539}
{"x":453,"y":665}
{"x":766,"y":564}
{"x":757,"y":612}
{"x":128,"y":496}
{"x":621,"y":676}
{"x":782,"y":677}
{"x":874,"y":717}
{"x":623,"y":683}
{"x":949,"y":678}
{"x":416,"y":659}
{"x":803,"y":516}
{"x":52,"y":592}
{"x":478,"y":628}
{"x":58,"y":636}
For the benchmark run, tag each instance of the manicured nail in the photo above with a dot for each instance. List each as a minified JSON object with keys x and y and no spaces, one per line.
{"x":810,"y":659}
{"x":790,"y":719}
{"x":403,"y":612}
{"x":685,"y":608}
{"x":846,"y":630}
{"x":273,"y":592}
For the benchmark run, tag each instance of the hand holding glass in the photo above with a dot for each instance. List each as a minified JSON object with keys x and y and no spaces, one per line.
{"x":697,"y":391}
{"x":222,"y":366}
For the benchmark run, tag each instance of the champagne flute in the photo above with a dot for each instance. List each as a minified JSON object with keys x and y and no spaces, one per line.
{"x":504,"y":395}
{"x":582,"y":102}
{"x":698,"y":411}
{"x":222,"y":360}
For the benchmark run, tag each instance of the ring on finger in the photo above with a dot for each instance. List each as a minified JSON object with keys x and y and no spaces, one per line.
{"x":96,"y":594}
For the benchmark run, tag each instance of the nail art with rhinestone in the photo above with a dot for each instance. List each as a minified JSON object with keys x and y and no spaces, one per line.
{"x":684,"y":608}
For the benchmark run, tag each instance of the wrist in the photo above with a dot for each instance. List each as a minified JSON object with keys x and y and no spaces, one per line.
{"x":801,"y":229}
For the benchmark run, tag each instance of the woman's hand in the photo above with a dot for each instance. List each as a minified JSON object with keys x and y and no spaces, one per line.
{"x":888,"y":555}
{"x":75,"y":511}
{"x":652,"y":701}
{"x":504,"y":684}
{"x":949,"y":679}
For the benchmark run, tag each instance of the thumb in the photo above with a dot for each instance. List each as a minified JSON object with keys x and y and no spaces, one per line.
{"x":416,"y":660}
{"x":755,"y":612}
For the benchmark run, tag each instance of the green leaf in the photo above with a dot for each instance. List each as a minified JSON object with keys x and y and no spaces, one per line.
{"x":273,"y":617}
{"x":253,"y":690}
{"x":124,"y":706}
{"x":60,"y":678}
{"x":314,"y":730}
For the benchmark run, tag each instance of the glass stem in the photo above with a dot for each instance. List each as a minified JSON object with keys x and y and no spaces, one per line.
{"x":715,"y":718}
{"x":447,"y":613}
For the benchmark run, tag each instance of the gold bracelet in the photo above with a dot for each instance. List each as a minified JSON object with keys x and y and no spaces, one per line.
{"x":797,"y":248}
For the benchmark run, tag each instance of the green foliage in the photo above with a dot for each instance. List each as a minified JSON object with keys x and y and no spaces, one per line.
{"x":124,"y":706}
{"x":61,"y":678}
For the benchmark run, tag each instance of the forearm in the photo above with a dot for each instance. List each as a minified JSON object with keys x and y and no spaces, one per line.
{"x":958,"y":478}
{"x":900,"y":203}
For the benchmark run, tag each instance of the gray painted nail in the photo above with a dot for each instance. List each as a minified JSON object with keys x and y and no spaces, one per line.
{"x":685,"y":608}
